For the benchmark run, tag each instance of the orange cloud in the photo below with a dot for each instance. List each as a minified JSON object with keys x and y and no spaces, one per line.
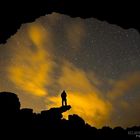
{"x":83,"y":96}
{"x":32,"y":66}
{"x":37,"y":34}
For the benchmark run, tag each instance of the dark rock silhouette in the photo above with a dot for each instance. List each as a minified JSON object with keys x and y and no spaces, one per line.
{"x":75,"y":121}
{"x":122,"y":13}
{"x":9,"y":102}
{"x":49,"y":124}
{"x":54,"y":114}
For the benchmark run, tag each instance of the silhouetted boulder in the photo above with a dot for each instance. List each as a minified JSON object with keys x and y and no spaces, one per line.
{"x":9,"y":109}
{"x":64,"y":108}
{"x":54,"y":114}
{"x":75,"y":121}
{"x":26,"y":110}
{"x":9,"y":103}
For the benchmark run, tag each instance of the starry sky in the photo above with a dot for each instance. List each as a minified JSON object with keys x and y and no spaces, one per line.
{"x":97,"y":63}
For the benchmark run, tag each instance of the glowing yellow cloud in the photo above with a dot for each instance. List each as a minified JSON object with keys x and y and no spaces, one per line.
{"x":83,"y":97}
{"x":32,"y":65}
{"x":37,"y":34}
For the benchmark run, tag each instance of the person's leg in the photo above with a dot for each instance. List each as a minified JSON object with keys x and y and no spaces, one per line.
{"x":65,"y":102}
{"x":62,"y":103}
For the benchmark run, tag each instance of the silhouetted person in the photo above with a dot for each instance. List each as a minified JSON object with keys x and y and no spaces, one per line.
{"x":64,"y":98}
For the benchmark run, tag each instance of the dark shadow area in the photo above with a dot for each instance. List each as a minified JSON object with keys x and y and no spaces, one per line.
{"x":12,"y":15}
{"x":24,"y":123}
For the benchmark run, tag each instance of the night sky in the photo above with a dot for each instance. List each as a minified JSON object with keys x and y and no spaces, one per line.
{"x":97,"y":63}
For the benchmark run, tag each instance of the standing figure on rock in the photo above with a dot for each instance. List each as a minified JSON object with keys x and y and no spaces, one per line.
{"x":64,"y":99}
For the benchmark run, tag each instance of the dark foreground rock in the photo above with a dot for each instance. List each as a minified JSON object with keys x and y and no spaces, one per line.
{"x":50,"y":124}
